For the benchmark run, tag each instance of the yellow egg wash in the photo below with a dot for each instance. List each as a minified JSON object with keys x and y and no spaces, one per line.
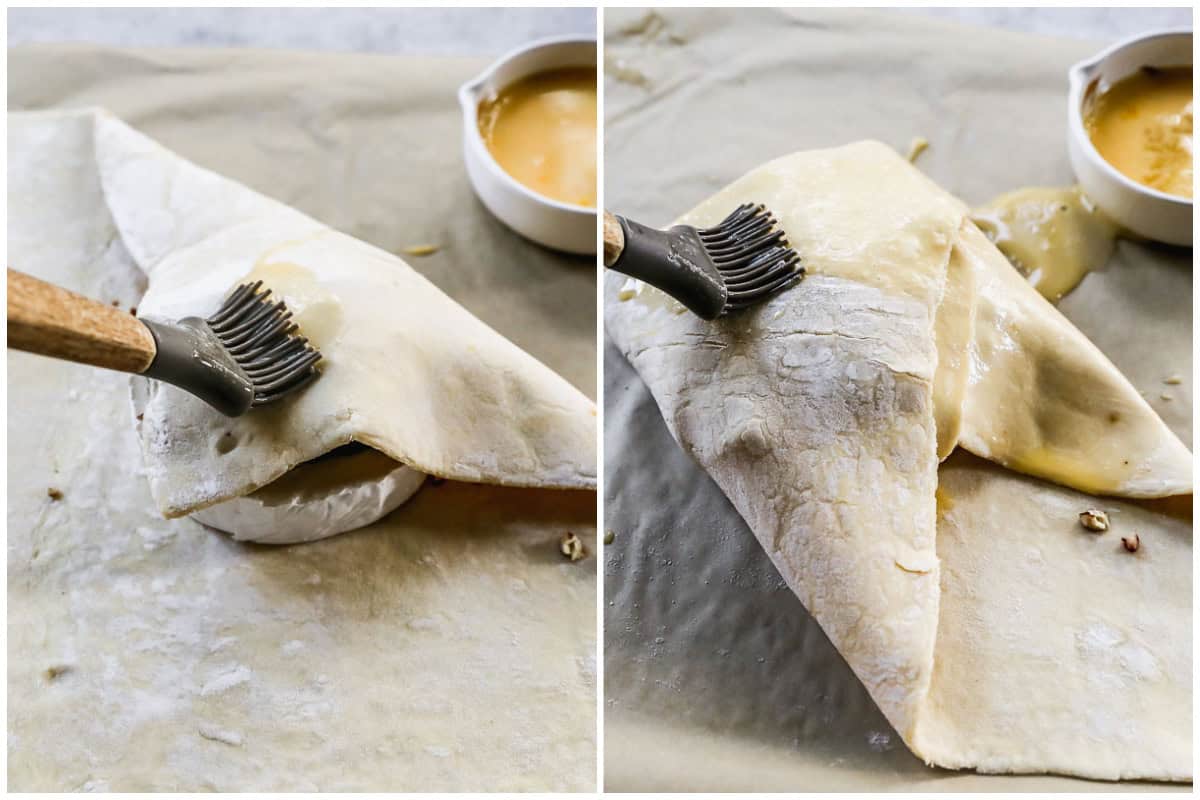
{"x":1054,"y":236}
{"x":314,"y":309}
{"x":1142,"y":125}
{"x":542,"y":131}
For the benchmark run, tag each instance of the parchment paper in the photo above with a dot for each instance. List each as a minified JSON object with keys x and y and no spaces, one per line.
{"x":449,"y":646}
{"x":716,"y":678}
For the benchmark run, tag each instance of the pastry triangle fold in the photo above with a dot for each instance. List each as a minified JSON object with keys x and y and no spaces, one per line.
{"x":406,"y":370}
{"x":824,"y":413}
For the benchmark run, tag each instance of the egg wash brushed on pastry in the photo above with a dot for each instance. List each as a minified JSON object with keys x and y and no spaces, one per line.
{"x":314,"y":308}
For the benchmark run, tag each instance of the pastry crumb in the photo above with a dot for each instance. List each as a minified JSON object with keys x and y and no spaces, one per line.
{"x":570,"y":546}
{"x":422,"y":249}
{"x":1166,"y":398}
{"x":609,"y":536}
{"x":56,"y":671}
{"x":1131,"y":543}
{"x":54,"y":494}
{"x":215,"y":734}
{"x":1173,"y":380}
{"x":1094,"y":520}
{"x":918,"y":145}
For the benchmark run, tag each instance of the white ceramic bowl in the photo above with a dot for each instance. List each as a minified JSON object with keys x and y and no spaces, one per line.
{"x":561,"y":226}
{"x":1144,"y":211}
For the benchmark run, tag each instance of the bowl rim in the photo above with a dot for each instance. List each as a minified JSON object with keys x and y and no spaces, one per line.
{"x":1077,"y":76}
{"x":470,"y":110}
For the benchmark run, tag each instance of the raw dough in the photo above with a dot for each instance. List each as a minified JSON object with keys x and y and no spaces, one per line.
{"x":407,"y":371}
{"x":816,"y":413}
{"x":1057,"y":651}
{"x":1031,"y":392}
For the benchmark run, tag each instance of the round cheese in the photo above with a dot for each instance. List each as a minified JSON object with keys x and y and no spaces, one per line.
{"x":341,"y":491}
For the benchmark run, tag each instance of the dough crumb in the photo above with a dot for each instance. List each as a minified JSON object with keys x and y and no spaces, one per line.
{"x":621,"y":70}
{"x":422,"y":249}
{"x":609,"y":536}
{"x":879,"y":741}
{"x":570,"y":546}
{"x":1094,"y":520}
{"x":918,"y":145}
{"x":213,"y":733}
{"x":54,"y":494}
{"x":1166,"y":398}
{"x":423,"y":624}
{"x":1131,"y":543}
{"x":221,"y":644}
{"x":225,"y":679}
{"x":1173,"y":380}
{"x":56,"y":671}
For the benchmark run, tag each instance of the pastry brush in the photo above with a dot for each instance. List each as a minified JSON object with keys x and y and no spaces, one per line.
{"x":245,"y":355}
{"x":741,"y":261}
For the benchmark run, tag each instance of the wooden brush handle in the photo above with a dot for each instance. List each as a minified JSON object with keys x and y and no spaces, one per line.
{"x":50,"y":321}
{"x":614,"y":239}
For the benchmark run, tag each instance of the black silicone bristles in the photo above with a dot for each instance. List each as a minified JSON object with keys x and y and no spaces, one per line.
{"x":261,"y":338}
{"x":752,"y":254}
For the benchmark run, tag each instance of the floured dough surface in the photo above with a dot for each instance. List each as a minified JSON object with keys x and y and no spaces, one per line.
{"x":827,"y":445}
{"x":845,"y":428}
{"x":1057,"y":649}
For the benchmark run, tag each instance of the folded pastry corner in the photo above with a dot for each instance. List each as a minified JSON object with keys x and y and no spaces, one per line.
{"x":823,"y":415}
{"x":406,"y":370}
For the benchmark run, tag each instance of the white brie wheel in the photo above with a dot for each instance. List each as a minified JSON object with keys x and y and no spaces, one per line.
{"x":318,"y":499}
